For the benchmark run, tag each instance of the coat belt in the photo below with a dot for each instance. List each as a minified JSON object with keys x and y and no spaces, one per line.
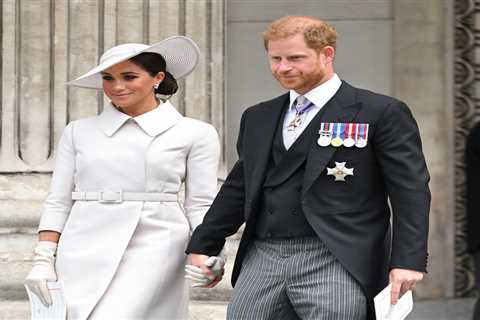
{"x":109,"y":196}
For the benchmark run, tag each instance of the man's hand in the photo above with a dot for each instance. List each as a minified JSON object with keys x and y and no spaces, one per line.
{"x":205,"y":271}
{"x":403,"y":280}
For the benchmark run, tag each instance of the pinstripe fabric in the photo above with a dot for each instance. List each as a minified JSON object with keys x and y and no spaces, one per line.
{"x":295,"y":279}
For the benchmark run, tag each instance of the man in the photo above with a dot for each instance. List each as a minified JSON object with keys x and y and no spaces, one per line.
{"x":472,"y":174}
{"x":316,"y":167}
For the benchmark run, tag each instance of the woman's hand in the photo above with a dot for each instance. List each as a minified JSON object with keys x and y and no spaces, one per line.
{"x":43,"y":270}
{"x":208,"y":273}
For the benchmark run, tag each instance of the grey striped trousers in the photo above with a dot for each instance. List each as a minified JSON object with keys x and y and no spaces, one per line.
{"x":295,"y":279}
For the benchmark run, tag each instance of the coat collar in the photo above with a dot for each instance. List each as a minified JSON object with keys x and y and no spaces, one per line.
{"x":153,"y":122}
{"x":321,"y":94}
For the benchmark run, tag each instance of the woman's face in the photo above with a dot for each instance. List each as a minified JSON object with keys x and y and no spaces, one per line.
{"x":130,"y":87}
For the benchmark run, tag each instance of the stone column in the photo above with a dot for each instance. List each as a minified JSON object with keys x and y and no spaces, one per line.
{"x":422,"y":77}
{"x":46,"y":43}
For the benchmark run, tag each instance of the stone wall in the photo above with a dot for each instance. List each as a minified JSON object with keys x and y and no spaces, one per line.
{"x":422,"y":76}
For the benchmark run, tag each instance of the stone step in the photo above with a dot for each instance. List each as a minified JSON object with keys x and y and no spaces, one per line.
{"x":440,"y":309}
{"x":199,"y":310}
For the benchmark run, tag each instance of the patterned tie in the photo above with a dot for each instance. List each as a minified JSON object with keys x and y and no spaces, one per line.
{"x":301,"y":105}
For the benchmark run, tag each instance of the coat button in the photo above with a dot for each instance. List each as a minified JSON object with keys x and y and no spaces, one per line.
{"x":294,"y":212}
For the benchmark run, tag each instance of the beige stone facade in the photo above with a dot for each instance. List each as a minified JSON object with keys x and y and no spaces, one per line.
{"x":45,"y":43}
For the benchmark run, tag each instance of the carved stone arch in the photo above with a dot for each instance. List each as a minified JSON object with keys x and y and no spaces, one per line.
{"x":467,"y":113}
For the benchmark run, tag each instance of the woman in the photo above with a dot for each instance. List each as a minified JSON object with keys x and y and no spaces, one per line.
{"x":113,"y":204}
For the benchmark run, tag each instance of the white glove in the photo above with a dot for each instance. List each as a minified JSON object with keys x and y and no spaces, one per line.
{"x":43,"y":270}
{"x":199,"y":279}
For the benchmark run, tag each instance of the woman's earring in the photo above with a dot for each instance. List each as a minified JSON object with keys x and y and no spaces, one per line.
{"x":156,"y":85}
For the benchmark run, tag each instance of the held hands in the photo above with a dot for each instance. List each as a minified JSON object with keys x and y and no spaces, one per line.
{"x":403,"y":280}
{"x":205,"y":271}
{"x":43,"y":270}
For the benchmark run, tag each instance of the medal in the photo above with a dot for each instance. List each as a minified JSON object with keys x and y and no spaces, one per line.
{"x":337,"y":141}
{"x":300,"y":110}
{"x":349,"y":140}
{"x":362,"y":135}
{"x":340,"y":171}
{"x":325,"y":134}
{"x":295,"y":123}
{"x":361,"y":143}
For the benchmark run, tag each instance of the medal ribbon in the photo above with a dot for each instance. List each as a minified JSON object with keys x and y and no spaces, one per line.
{"x":343,"y":130}
{"x":338,"y":130}
{"x":322,"y":127}
{"x":326,"y":128}
{"x":362,"y":129}
{"x":305,"y":108}
{"x":363,"y":135}
{"x":350,"y":130}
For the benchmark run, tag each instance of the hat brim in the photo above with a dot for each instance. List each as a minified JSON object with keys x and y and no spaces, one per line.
{"x":181,"y":55}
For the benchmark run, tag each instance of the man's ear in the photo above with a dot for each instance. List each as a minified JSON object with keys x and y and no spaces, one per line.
{"x":329,"y":53}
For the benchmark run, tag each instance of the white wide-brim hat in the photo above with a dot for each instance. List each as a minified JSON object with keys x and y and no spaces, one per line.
{"x":181,"y":55}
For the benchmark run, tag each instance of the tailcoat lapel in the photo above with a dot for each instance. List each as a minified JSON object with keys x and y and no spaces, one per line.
{"x":341,"y":108}
{"x":265,"y":121}
{"x":295,"y":156}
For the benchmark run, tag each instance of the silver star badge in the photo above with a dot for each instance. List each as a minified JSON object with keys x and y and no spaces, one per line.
{"x":340,"y":171}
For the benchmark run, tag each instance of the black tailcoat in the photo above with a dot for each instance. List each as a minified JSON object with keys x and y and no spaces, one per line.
{"x":472,"y":159}
{"x":353,"y":217}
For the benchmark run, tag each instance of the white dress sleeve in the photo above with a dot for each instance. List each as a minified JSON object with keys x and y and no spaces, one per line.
{"x":201,"y":177}
{"x":59,"y":200}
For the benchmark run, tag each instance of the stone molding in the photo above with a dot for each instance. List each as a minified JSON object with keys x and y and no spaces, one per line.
{"x":467,"y":113}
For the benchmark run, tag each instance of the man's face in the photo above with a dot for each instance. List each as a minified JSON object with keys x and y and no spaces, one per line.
{"x":298,"y":67}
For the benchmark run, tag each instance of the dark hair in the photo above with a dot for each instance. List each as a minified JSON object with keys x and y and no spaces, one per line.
{"x":154,"y":63}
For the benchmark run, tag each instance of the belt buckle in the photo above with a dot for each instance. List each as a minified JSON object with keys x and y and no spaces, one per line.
{"x":108,"y":196}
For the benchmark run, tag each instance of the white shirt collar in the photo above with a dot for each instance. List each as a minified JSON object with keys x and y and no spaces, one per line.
{"x":319,"y":95}
{"x":153,"y":122}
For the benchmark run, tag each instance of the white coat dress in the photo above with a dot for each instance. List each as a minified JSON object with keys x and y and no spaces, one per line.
{"x":126,"y":260}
